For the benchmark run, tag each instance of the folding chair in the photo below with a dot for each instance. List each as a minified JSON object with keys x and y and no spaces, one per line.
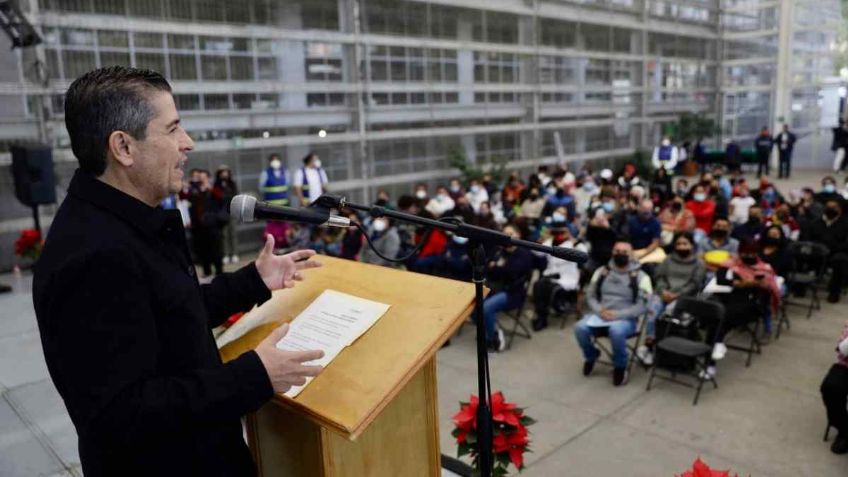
{"x":750,"y":327}
{"x":709,"y":316}
{"x":809,"y":262}
{"x":515,"y":314}
{"x":633,"y":343}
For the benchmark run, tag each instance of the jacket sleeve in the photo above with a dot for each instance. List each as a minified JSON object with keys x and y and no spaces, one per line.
{"x":101,"y":340}
{"x":592,"y":294}
{"x":661,"y":277}
{"x":234,"y":292}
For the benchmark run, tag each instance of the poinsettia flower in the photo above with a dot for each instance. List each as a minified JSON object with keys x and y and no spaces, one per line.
{"x":466,"y":418}
{"x":516,"y":456}
{"x":701,"y":469}
{"x":461,"y":436}
{"x":500,"y":443}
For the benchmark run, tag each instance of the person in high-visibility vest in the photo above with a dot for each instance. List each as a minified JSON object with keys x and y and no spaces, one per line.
{"x":273,"y":185}
{"x":665,"y":156}
{"x":310,"y":181}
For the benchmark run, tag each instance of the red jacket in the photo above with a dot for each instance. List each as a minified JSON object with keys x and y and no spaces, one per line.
{"x":704,"y":213}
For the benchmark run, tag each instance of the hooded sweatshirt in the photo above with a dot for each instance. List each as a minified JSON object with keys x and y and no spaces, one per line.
{"x":680,"y":275}
{"x":616,"y":293}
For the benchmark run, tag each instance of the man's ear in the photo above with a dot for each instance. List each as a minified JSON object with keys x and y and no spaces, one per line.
{"x":121,"y":147}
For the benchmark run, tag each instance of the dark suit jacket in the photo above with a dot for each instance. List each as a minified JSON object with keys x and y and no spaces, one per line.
{"x":125,"y":328}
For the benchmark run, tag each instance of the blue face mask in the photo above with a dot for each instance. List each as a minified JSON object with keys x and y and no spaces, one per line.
{"x":829,"y":188}
{"x":608,"y":206}
{"x":460,"y":240}
{"x":557,"y":217}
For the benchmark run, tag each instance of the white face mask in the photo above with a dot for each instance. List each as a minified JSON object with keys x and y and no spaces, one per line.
{"x":442,"y":197}
{"x":475,"y":189}
{"x":317,"y":163}
{"x":557,"y":217}
{"x":666,"y":142}
{"x":276,"y":164}
{"x":421,"y":194}
{"x":460,"y":240}
{"x":379,"y":225}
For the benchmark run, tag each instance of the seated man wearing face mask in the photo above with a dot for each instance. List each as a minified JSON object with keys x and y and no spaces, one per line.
{"x":617,"y":295}
{"x":719,"y":239}
{"x":560,"y":281}
{"x":385,"y":239}
{"x":831,"y":230}
{"x":644,"y":231}
{"x":441,"y":203}
{"x":753,"y":228}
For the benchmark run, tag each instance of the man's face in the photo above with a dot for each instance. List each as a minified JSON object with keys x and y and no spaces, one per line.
{"x":159,"y":160}
{"x":622,"y":248}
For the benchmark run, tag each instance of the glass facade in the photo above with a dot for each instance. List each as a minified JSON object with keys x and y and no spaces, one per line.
{"x":396,"y":84}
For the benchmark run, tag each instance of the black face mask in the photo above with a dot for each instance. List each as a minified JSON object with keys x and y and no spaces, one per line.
{"x":771,"y":241}
{"x":683,"y":253}
{"x":620,"y":260}
{"x":749,"y":260}
{"x":831,"y":213}
{"x":676,"y":207}
{"x":381,"y":202}
{"x":754,"y":220}
{"x":719,"y":234}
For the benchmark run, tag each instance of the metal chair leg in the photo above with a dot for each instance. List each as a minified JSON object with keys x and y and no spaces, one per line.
{"x":826,"y":431}
{"x":651,"y":376}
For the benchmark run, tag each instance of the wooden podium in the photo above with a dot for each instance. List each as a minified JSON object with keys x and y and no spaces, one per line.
{"x":374,"y":410}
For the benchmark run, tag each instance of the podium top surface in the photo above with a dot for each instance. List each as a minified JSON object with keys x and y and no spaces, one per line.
{"x":350,"y":392}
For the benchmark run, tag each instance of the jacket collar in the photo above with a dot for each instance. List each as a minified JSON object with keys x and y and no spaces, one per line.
{"x":147,"y":219}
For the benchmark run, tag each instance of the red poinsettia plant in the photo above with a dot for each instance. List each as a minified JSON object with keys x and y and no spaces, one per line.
{"x":29,"y":244}
{"x":509,"y":427}
{"x":700,"y":469}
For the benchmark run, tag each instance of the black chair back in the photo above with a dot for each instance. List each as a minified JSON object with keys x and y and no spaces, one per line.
{"x":708,"y":313}
{"x":808,"y":258}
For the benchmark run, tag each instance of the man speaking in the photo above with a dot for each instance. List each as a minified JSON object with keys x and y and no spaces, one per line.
{"x":124,"y":324}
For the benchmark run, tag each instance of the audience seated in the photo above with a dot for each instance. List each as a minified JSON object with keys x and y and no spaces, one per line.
{"x":616,"y":296}
{"x":384,"y":236}
{"x":676,"y":219}
{"x":719,"y":239}
{"x":831,"y":230}
{"x":754,"y":294}
{"x":703,"y":209}
{"x":752,"y":228}
{"x":560,"y":280}
{"x":680,"y":274}
{"x":509,"y":271}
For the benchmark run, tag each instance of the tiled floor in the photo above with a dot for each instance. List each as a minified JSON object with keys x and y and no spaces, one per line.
{"x":766,"y":420}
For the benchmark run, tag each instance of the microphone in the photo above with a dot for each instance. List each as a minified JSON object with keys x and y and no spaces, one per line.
{"x":570,"y":254}
{"x":247,"y":209}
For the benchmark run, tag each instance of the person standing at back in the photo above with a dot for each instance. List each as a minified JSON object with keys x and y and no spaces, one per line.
{"x":763,"y":144}
{"x":225,"y":187}
{"x":665,"y":156}
{"x":274,"y":187}
{"x":310,"y":181}
{"x":785,"y":142}
{"x":125,"y":326}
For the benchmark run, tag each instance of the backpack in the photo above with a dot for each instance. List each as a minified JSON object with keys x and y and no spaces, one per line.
{"x":634,"y":282}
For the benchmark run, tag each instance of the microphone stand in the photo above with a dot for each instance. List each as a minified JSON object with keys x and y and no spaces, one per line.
{"x":479,"y":239}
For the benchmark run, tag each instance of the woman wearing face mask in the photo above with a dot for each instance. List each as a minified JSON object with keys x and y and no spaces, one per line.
{"x":680,"y":274}
{"x":583,"y":196}
{"x":828,"y":191}
{"x":755,"y":293}
{"x":385,"y":238}
{"x":676,"y":219}
{"x":774,"y":250}
{"x":560,"y":281}
{"x":455,"y":263}
{"x":532,"y":206}
{"x":783,"y":218}
{"x":484,"y":217}
{"x":509,"y":271}
{"x":476,"y":195}
{"x":703,"y":209}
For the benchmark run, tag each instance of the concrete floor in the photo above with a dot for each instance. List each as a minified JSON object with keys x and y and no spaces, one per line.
{"x":766,"y":420}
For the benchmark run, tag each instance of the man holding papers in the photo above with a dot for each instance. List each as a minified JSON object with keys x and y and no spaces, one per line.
{"x":124,"y":324}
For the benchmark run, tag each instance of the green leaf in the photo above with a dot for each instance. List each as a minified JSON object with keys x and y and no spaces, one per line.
{"x":527,"y":421}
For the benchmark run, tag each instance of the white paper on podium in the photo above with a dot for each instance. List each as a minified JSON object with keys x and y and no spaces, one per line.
{"x":330,"y":323}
